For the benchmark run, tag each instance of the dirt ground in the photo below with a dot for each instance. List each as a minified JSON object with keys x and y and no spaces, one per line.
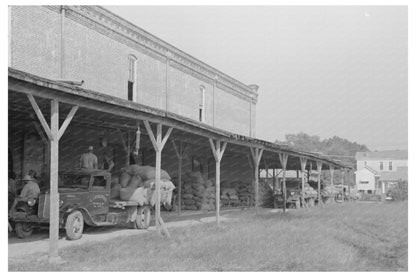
{"x":38,"y":243}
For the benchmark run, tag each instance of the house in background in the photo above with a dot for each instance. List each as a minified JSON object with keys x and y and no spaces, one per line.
{"x":378,"y":171}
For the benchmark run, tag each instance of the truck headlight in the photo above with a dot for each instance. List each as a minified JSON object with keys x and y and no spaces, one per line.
{"x":61,"y":203}
{"x":31,"y":202}
{"x":292,"y":193}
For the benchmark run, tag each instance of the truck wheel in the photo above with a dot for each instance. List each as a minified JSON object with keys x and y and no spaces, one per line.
{"x":74,"y":225}
{"x":23,"y":230}
{"x":143,"y":218}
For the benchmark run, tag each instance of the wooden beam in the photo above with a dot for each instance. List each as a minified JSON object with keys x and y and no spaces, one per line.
{"x":158,"y":146}
{"x":217,"y":152}
{"x":40,"y":116}
{"x":283,"y":161}
{"x":54,"y":196}
{"x":256,"y":154}
{"x":166,"y":136}
{"x":303,"y":161}
{"x":319,"y":168}
{"x":150,"y":134}
{"x":179,"y":150}
{"x":67,"y":121}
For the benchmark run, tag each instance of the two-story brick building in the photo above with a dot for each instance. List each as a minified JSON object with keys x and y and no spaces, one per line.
{"x":82,"y":76}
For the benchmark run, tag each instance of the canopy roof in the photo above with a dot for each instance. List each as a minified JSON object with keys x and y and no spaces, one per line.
{"x":98,"y":109}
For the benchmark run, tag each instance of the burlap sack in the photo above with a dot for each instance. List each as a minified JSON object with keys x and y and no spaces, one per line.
{"x":126,"y":193}
{"x":189,"y":202}
{"x":134,"y":182}
{"x":187,"y":196}
{"x":139,"y":196}
{"x":124,"y":179}
{"x":146,"y":172}
{"x":115,"y":191}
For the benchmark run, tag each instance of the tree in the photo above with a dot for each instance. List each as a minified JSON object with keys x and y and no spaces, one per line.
{"x":335,"y":147}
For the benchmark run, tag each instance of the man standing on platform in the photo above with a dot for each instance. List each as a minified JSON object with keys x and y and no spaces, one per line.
{"x":88,"y":160}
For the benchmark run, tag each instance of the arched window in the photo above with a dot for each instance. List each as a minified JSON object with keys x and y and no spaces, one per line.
{"x":131,"y":83}
{"x":202,"y":103}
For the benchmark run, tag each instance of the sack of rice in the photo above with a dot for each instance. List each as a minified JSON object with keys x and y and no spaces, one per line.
{"x":126,"y":193}
{"x":191,"y":207}
{"x":134,"y":181}
{"x":146,"y":172}
{"x":124,"y":179}
{"x":188,"y":196}
{"x":139,"y":196}
{"x":189,"y":202}
{"x":115,"y":180}
{"x":115,"y":191}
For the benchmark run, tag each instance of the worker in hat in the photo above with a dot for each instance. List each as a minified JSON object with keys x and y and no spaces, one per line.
{"x":30,"y":189}
{"x":88,"y":160}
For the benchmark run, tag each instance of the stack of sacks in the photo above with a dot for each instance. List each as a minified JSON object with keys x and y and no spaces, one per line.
{"x":208,"y":200}
{"x":309,"y":191}
{"x":135,"y":184}
{"x":192,"y":191}
{"x":166,"y":191}
{"x":245,"y":193}
{"x":229,"y":197}
{"x":266,"y":197}
{"x":329,"y":191}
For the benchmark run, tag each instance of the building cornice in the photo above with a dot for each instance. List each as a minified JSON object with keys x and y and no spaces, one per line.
{"x":154,"y":46}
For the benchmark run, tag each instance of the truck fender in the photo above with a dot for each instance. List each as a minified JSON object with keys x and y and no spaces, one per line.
{"x":87,"y":217}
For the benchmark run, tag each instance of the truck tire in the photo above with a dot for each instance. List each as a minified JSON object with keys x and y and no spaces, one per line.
{"x":23,"y":230}
{"x":74,"y":225}
{"x":142,"y":219}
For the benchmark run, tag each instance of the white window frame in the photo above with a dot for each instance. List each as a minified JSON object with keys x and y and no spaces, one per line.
{"x":132,"y":74}
{"x":201,"y":110}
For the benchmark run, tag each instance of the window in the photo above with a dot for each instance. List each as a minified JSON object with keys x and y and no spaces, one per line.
{"x":364,"y":182}
{"x":381,"y":165}
{"x":99,"y":183}
{"x":390,"y":165}
{"x":132,"y":77}
{"x":202,"y":104}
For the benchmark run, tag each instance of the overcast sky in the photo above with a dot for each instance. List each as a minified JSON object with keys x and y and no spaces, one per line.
{"x":325,"y":71}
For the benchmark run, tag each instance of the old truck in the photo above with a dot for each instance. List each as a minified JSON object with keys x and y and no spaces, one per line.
{"x":294,"y":194}
{"x":84,"y":198}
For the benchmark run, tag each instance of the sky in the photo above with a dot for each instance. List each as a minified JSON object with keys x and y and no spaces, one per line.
{"x":322,"y":70}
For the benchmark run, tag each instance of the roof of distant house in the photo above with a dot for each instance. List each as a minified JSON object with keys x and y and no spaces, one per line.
{"x":400,"y":174}
{"x":382,"y":155}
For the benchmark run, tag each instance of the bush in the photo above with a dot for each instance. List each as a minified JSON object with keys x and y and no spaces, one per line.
{"x":399,"y":191}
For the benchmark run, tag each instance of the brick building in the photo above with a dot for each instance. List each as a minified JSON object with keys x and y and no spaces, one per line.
{"x":113,"y":56}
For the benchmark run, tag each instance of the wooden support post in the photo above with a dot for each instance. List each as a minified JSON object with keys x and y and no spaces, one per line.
{"x":54,"y":197}
{"x":217,"y":152}
{"x":158,"y":144}
{"x":256,"y":154}
{"x":331,"y":172}
{"x":283,"y":161}
{"x":303,"y":161}
{"x":54,"y":133}
{"x":349,"y":185}
{"x":179,"y":150}
{"x":319,"y":168}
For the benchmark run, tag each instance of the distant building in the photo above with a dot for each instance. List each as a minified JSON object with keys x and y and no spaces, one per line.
{"x":377,"y":171}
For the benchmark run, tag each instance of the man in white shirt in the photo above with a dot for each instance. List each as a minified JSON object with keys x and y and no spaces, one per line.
{"x":88,"y":160}
{"x":30,"y":189}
